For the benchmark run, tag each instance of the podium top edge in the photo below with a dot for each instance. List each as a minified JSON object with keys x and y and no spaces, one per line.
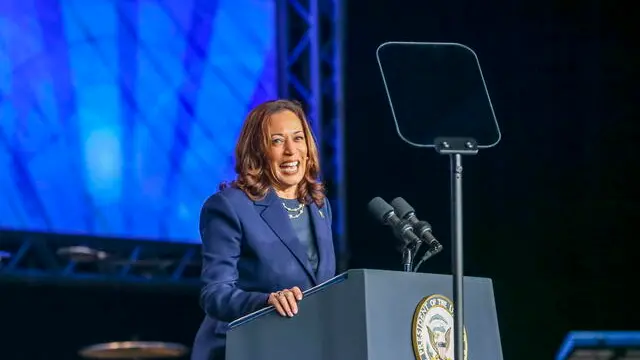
{"x":336,"y":279}
{"x":372,"y":271}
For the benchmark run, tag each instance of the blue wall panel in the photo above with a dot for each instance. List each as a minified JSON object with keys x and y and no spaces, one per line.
{"x":118,"y":118}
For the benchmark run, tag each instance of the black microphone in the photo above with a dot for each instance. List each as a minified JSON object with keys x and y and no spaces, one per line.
{"x":384,"y":212}
{"x":421,"y":228}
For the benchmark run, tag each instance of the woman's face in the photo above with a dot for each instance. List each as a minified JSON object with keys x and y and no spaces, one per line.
{"x":287,"y":152}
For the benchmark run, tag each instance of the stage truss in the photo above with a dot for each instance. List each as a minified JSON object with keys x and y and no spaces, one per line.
{"x":311,"y":35}
{"x":310,"y":40}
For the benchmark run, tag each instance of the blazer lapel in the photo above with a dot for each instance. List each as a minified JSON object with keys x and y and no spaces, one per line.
{"x":275,"y":216}
{"x":324,"y":240}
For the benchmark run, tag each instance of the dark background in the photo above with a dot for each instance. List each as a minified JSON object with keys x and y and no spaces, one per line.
{"x":549,"y":212}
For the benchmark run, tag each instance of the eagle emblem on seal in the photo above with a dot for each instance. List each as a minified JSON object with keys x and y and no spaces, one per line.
{"x":432,"y":330}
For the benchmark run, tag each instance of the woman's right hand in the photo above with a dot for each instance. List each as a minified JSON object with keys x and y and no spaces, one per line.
{"x":286,"y":301}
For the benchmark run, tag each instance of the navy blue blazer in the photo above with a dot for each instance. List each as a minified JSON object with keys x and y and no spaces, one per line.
{"x":249,"y":250}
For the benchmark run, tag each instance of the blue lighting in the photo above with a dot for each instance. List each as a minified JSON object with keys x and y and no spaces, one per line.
{"x":581,"y":340}
{"x":119,"y":118}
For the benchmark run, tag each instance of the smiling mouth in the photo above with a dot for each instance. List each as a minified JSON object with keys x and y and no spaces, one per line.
{"x":290,"y":167}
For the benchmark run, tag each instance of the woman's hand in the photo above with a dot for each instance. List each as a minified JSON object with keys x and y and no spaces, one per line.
{"x":286,"y":301}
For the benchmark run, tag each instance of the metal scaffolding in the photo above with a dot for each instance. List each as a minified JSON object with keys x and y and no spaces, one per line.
{"x":310,"y":44}
{"x":310,"y":40}
{"x":71,"y":260}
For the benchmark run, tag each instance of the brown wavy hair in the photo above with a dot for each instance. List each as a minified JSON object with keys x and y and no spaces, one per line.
{"x":254,"y":174}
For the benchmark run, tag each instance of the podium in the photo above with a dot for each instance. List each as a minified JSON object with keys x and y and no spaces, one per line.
{"x":374,"y":315}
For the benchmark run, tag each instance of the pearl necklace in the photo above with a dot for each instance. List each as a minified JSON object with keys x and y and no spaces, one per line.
{"x":295,"y":212}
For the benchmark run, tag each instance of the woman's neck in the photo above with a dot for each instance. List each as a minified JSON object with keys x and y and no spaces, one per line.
{"x":288,"y":193}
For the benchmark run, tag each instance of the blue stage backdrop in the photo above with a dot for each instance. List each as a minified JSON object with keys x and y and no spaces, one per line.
{"x":119,"y":118}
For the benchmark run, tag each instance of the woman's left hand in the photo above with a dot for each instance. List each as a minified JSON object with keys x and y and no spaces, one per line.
{"x":286,"y":301}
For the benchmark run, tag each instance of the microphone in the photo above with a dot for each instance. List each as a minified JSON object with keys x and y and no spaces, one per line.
{"x":421,"y":228}
{"x":384,"y":212}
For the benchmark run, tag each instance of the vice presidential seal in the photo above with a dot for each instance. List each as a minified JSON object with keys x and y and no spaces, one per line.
{"x":432,"y":330}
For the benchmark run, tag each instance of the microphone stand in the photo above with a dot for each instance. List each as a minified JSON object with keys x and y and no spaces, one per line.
{"x":407,"y":258}
{"x":455,"y":148}
{"x":408,"y":250}
{"x":427,"y":255}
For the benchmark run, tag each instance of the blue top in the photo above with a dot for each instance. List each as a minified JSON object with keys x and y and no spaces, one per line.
{"x":303,"y":227}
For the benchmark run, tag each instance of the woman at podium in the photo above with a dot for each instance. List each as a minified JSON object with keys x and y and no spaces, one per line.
{"x":266,"y":236}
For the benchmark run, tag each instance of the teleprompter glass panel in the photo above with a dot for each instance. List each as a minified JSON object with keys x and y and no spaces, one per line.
{"x":437,"y":90}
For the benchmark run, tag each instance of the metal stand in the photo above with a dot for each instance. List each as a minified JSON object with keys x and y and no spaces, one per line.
{"x":407,"y":258}
{"x":428,"y":254}
{"x":455,"y":148}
